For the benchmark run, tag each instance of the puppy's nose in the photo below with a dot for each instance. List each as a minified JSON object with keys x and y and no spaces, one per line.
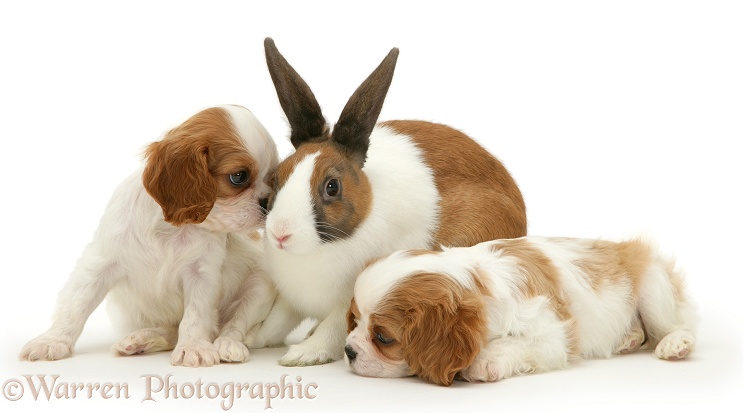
{"x":263,"y":202}
{"x":350,"y":353}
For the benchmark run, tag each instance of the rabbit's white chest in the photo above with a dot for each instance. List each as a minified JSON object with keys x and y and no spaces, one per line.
{"x":314,"y":285}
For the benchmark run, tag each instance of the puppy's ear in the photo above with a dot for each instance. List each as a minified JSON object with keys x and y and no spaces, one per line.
{"x":351,"y":317}
{"x":177,"y":176}
{"x":445,"y":332}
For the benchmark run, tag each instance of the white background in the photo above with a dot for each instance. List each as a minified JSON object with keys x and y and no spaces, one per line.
{"x":615,"y":120}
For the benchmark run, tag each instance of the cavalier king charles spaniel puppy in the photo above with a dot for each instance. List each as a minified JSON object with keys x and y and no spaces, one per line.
{"x":510,"y":307}
{"x":173,"y":249}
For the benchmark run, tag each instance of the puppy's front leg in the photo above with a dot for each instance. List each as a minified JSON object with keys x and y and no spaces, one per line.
{"x":516,"y":355}
{"x":88,"y":284}
{"x":201,"y":288}
{"x":253,"y":303}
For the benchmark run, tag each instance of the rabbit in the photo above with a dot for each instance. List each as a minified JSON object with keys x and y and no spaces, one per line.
{"x":363,"y":190}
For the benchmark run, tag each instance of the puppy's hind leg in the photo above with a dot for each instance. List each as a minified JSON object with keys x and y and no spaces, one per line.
{"x":88,"y":284}
{"x":677,"y":345}
{"x":148,"y":340}
{"x":634,"y":339}
{"x":668,"y":314}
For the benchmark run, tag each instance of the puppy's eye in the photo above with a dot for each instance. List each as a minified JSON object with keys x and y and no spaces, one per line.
{"x":239,"y":178}
{"x":332,"y":188}
{"x":383,"y":339}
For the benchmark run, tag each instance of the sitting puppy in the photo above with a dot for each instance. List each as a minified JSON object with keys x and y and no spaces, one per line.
{"x":509,"y":307}
{"x":173,"y":247}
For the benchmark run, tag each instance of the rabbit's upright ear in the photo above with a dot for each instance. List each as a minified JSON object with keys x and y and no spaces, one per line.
{"x":299,"y":103}
{"x":360,"y":114}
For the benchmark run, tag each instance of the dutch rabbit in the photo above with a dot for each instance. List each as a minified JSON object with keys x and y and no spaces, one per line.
{"x":363,"y":190}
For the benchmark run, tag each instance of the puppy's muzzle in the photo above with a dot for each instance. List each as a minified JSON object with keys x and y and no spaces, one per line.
{"x":350,"y":353}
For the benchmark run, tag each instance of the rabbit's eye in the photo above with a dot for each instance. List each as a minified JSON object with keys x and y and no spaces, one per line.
{"x":332,"y":188}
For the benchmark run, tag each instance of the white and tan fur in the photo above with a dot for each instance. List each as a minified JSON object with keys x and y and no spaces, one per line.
{"x":510,"y":307}
{"x":362,"y":191}
{"x":173,"y":250}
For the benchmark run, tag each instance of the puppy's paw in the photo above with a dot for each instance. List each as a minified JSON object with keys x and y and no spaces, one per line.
{"x":302,"y":355}
{"x":231,"y":350}
{"x":146,"y":340}
{"x":633,"y":341}
{"x":481,"y":369}
{"x":46,"y":348}
{"x":195,"y":354}
{"x":675,"y":346}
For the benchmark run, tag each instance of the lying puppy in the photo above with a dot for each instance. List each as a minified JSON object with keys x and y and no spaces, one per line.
{"x":172,"y":247}
{"x":509,"y":307}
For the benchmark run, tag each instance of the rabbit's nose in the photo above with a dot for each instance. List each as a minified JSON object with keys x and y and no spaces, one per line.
{"x":281,"y":239}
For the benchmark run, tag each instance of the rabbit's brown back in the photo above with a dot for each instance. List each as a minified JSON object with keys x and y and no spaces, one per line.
{"x":480,"y":201}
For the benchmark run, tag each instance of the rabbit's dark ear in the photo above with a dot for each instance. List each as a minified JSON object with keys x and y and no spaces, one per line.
{"x":362,"y":110}
{"x":299,"y":103}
